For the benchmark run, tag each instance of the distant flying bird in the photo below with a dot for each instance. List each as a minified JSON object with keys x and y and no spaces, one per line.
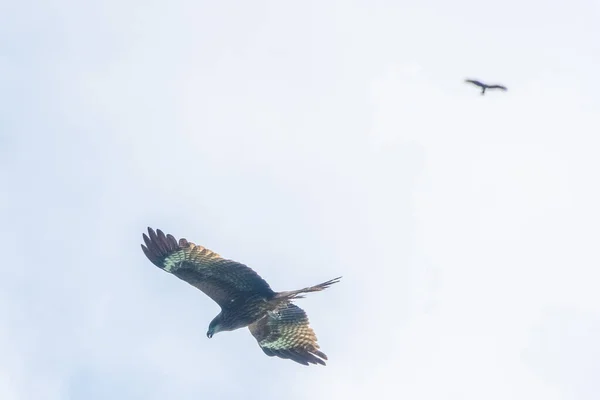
{"x":484,"y":87}
{"x":280,"y":327}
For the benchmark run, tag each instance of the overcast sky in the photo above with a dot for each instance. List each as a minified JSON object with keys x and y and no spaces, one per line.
{"x":307,"y":140}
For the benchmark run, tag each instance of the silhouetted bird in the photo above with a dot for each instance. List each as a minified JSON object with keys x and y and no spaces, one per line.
{"x":483,"y":86}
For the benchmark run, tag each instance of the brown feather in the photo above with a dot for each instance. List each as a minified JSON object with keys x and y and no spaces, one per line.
{"x":218,"y":278}
{"x":286,"y":333}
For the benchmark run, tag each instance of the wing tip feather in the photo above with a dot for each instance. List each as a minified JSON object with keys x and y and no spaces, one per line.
{"x":304,"y":356}
{"x":158,"y":246}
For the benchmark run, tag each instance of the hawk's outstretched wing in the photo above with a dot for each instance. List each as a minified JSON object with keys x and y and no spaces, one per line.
{"x":497,"y":87}
{"x":285,"y":333}
{"x":222,"y":280}
{"x":475,"y":82}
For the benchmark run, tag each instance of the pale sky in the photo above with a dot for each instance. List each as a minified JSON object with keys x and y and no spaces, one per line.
{"x":307,"y":140}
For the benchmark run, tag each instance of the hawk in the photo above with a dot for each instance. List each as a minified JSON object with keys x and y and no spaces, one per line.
{"x":280,"y":327}
{"x":484,"y":87}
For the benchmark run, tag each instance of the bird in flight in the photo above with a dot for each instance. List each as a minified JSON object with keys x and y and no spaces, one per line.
{"x":484,"y":87}
{"x":280,"y":327}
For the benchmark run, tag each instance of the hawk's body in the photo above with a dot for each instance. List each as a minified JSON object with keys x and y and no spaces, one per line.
{"x":280,"y":327}
{"x":484,"y":86}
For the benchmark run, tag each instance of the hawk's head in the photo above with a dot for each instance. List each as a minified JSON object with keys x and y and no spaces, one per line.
{"x":214,"y":327}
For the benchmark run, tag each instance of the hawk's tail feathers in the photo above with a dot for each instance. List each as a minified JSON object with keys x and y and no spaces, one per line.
{"x":297,"y":294}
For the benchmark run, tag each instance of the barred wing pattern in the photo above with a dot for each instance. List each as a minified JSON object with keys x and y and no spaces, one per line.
{"x":286,"y":333}
{"x":220,"y":279}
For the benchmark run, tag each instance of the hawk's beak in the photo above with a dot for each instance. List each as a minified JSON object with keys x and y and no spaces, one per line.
{"x":209,"y":334}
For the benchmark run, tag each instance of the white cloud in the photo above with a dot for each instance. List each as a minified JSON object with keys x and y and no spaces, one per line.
{"x":307,"y":142}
